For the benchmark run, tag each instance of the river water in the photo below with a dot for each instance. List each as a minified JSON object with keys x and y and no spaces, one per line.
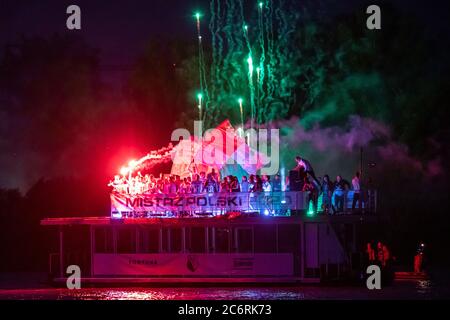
{"x":418,"y":289}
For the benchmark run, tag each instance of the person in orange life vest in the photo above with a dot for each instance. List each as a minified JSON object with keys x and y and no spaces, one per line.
{"x":386,"y":255}
{"x":418,"y":259}
{"x":370,"y":252}
{"x":380,"y":254}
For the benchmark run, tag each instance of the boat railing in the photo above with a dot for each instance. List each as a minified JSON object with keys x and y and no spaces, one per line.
{"x":264,"y":203}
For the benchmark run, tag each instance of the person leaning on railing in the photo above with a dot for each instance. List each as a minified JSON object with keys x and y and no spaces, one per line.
{"x":326,"y":188}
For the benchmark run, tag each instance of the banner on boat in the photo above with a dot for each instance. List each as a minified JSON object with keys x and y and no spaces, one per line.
{"x":161,"y":205}
{"x":194,"y":264}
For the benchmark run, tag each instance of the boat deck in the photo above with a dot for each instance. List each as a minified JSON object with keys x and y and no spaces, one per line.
{"x":219,"y":220}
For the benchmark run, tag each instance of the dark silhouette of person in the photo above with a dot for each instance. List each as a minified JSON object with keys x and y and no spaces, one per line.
{"x":301,"y":162}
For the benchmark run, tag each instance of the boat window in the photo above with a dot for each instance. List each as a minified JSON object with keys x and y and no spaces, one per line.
{"x":289,"y":239}
{"x":265,"y":238}
{"x":243,"y":240}
{"x":149,"y":238}
{"x":126,"y":240}
{"x":175,"y":240}
{"x":165,"y":245}
{"x":103,"y":240}
{"x":195,"y":240}
{"x":222,"y":240}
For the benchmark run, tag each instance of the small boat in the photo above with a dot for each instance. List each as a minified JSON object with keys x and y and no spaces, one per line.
{"x":411,"y":276}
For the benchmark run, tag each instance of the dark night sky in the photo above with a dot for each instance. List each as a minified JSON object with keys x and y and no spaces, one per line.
{"x":120,"y":29}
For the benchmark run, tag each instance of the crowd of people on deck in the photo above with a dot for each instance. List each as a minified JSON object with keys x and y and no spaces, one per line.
{"x":199,"y":183}
{"x":303,"y":178}
{"x":333,"y":192}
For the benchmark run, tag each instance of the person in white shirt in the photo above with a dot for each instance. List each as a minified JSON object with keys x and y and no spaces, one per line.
{"x":356,"y":185}
{"x":267,"y":186}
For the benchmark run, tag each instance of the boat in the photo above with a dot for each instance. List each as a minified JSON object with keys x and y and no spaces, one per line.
{"x":208,"y":236}
{"x":282,"y":244}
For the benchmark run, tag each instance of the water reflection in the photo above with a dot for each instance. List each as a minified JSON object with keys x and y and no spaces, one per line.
{"x":184,"y":294}
{"x":423,"y":289}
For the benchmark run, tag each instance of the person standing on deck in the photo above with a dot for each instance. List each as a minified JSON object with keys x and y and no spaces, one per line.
{"x":326,"y":189}
{"x":203,"y":178}
{"x":276,"y":184}
{"x":173,"y":187}
{"x":356,"y":185}
{"x":309,"y":188}
{"x":339,"y":194}
{"x":235,"y":186}
{"x":266,"y":185}
{"x":258,"y":185}
{"x":196,"y":185}
{"x":212,"y":176}
{"x":244,"y":184}
{"x":211,"y":185}
{"x":252,"y":184}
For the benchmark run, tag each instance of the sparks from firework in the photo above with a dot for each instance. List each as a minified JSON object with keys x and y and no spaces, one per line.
{"x":200,"y":98}
{"x":250,"y":66}
{"x":262,"y":46}
{"x":258,"y":87}
{"x":201,"y":63}
{"x":197,"y":16}
{"x":242,"y":112}
{"x":234,"y":40}
{"x":252,"y":90}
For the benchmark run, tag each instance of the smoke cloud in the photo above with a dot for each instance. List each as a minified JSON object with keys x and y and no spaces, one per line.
{"x":337,"y":149}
